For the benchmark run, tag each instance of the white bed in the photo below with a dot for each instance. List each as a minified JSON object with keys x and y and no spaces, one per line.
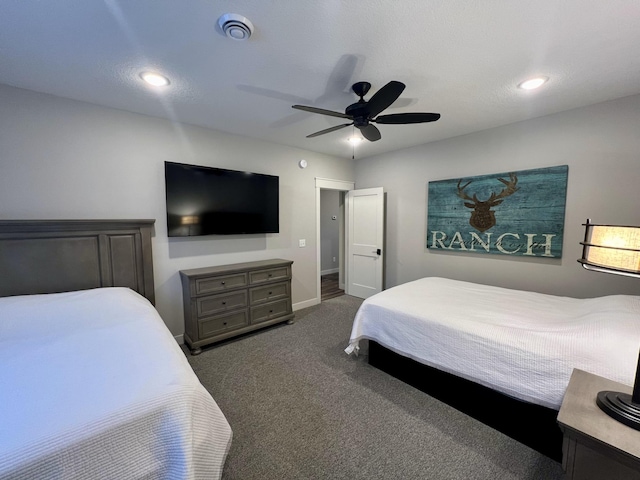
{"x":94,"y":386}
{"x":522,"y":344}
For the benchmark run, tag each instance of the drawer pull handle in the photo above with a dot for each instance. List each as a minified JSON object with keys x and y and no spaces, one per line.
{"x":271,"y":274}
{"x":224,"y":303}
{"x":222,"y":283}
{"x":270,"y":311}
{"x":224,"y":323}
{"x":270,"y":293}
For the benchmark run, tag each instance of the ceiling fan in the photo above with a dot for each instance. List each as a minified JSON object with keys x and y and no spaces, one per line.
{"x":363,"y":113}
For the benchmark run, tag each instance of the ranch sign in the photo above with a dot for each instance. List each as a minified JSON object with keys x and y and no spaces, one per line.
{"x":512,"y":213}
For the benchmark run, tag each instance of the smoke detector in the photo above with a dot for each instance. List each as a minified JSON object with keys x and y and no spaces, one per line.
{"x":235,"y":26}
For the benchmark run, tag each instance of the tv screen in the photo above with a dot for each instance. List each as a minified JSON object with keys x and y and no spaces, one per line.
{"x":215,"y":201}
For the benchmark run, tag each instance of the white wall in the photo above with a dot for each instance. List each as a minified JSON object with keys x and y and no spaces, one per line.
{"x":62,"y":159}
{"x":329,"y":230}
{"x":601,"y":145}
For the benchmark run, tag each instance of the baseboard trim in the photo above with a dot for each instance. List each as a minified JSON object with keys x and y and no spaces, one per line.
{"x":305,"y":304}
{"x":331,"y":270}
{"x":179,"y":339}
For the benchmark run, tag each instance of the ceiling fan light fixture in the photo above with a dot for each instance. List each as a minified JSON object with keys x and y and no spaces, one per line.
{"x":533,"y":83}
{"x":235,"y":27}
{"x":354,"y":140}
{"x":155,"y":79}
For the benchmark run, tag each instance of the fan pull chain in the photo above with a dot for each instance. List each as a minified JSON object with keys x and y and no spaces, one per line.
{"x":353,"y":144}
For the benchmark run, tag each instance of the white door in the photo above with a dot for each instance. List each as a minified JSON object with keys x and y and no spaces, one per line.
{"x":365,"y":235}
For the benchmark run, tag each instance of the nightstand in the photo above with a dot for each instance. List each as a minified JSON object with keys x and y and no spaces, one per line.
{"x":595,"y":446}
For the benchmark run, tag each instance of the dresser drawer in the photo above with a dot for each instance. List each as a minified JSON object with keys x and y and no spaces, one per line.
{"x":212,"y":326}
{"x":261,"y":276}
{"x":268,"y":293}
{"x":222,"y":302}
{"x":270,"y":310}
{"x":220,"y":283}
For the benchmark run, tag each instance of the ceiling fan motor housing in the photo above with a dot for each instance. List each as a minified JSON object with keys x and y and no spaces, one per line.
{"x":359,"y":113}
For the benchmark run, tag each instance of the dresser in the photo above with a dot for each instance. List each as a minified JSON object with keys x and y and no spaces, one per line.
{"x":228,"y":300}
{"x":596,"y":446}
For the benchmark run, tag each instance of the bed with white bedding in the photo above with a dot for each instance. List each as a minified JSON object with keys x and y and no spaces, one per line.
{"x":92,"y":383}
{"x":95,"y":386}
{"x":521,"y":344}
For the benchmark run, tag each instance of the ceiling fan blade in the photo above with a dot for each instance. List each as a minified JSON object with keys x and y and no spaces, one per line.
{"x":321,"y":111}
{"x":370,"y":132}
{"x":401,"y":118}
{"x":384,"y":97}
{"x":329,"y":130}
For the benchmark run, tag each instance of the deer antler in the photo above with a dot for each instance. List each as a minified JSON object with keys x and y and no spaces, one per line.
{"x":461,"y":193}
{"x":495,"y":198}
{"x":510,"y":187}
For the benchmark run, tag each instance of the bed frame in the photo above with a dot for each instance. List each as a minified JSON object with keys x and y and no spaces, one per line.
{"x":52,"y":256}
{"x":530,"y":424}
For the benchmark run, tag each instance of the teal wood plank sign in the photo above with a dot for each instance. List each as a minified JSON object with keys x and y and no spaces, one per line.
{"x":512,"y":213}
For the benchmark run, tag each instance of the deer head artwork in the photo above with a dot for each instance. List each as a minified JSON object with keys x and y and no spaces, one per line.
{"x":482,"y":217}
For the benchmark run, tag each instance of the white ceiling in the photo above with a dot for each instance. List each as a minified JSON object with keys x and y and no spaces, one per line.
{"x":460,"y":58}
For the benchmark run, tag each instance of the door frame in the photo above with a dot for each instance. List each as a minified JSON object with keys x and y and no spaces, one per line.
{"x":326,"y":184}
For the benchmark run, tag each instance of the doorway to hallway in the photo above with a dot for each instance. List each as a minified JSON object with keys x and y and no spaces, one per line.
{"x":329,"y":286}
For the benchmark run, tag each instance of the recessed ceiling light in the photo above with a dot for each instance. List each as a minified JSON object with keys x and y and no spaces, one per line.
{"x":533,"y":83}
{"x":155,"y":79}
{"x":354,"y":140}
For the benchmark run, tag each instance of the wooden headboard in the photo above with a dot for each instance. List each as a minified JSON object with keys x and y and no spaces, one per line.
{"x":51,"y":256}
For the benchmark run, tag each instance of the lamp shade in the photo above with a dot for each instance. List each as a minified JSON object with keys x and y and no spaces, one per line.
{"x":611,"y":249}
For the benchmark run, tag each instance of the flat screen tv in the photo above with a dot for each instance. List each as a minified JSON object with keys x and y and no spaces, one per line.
{"x":215,"y":201}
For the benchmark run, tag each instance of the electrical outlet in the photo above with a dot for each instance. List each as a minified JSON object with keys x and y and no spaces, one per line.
{"x":334,"y":259}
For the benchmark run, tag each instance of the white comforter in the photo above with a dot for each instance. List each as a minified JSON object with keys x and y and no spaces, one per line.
{"x":523,"y":344}
{"x":93,"y":386}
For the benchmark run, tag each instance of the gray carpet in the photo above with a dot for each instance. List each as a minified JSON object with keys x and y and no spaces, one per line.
{"x":300,"y":408}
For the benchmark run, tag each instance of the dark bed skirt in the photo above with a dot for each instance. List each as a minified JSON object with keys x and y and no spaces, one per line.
{"x":532,"y":425}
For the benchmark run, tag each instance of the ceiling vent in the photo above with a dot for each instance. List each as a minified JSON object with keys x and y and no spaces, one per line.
{"x":235,"y":26}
